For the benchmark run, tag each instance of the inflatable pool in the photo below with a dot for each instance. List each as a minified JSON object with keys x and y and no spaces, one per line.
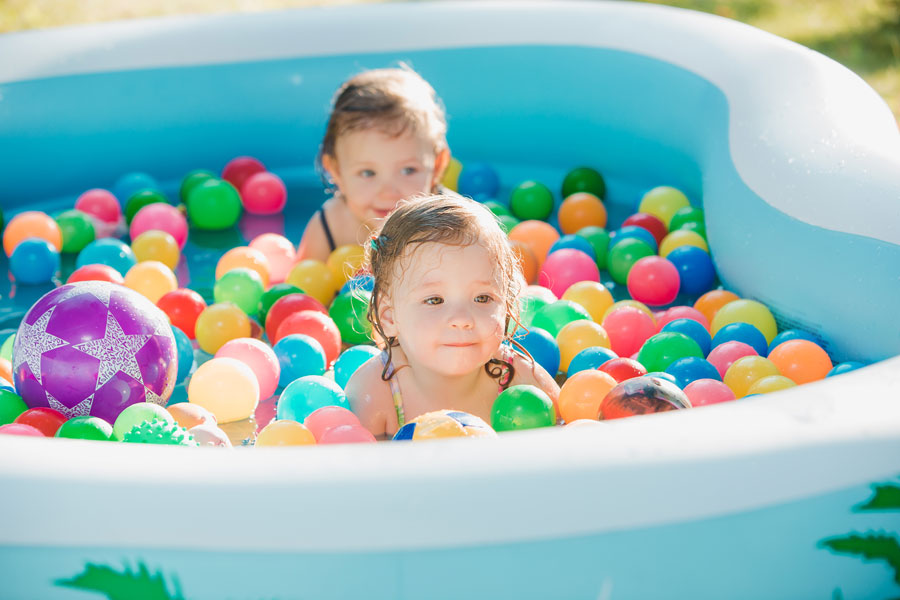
{"x":796,"y":162}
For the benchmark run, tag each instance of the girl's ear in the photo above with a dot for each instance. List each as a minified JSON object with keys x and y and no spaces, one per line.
{"x":441,"y":162}
{"x":386,"y":316}
{"x":329,"y":163}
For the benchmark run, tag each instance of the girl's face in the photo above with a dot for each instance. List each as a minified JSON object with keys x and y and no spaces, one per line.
{"x":445,"y":307}
{"x":374,"y":171}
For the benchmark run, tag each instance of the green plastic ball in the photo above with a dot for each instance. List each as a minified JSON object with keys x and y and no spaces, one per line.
{"x":271,"y":295}
{"x":156,"y":431}
{"x":77,"y":230}
{"x":6,"y":348}
{"x":584,"y":179}
{"x":86,"y":428}
{"x":598,"y":238}
{"x":623,"y":255}
{"x":214,"y":204}
{"x":528,"y":307}
{"x":685,"y":216}
{"x":348,"y":311}
{"x":136,"y":414}
{"x":140,"y":199}
{"x":11,"y":406}
{"x":553,"y":317}
{"x":662,"y":349}
{"x":522,"y":407}
{"x":507,"y":222}
{"x":698,"y":228}
{"x":497,"y":208}
{"x":241,"y":286}
{"x":192,"y":180}
{"x":531,"y":200}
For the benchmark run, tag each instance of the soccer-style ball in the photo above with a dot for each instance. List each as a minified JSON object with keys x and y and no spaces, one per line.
{"x":444,"y":424}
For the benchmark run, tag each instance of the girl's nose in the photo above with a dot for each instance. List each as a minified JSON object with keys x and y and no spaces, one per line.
{"x":461,"y":318}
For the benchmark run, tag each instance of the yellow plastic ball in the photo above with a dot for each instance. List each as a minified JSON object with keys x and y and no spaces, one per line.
{"x":746,"y":371}
{"x":746,"y":311}
{"x":681,"y":237}
{"x":575,"y":337}
{"x":226,"y":387}
{"x":632,"y":303}
{"x":285,"y":433}
{"x":220,"y":323}
{"x":248,"y":258}
{"x":663,"y":202}
{"x":594,"y":297}
{"x":772,"y":383}
{"x":151,"y":279}
{"x":315,"y":279}
{"x":344,"y":262}
{"x":156,"y":245}
{"x":451,"y":175}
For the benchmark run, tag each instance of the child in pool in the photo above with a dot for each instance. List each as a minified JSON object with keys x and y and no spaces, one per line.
{"x":385,"y":141}
{"x":446,"y":290}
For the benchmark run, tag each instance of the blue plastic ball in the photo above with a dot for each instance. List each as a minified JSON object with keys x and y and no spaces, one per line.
{"x":844,"y":367}
{"x":479,"y":181}
{"x":359,"y":283}
{"x":575,"y":242}
{"x":632,"y":231}
{"x":696,"y":269}
{"x":694,"y":330}
{"x":107,"y":251}
{"x":185,"y":354}
{"x":691,"y":368}
{"x":663,"y":375}
{"x":742,"y":332}
{"x":307,"y":394}
{"x":542,"y":347}
{"x":792,"y":334}
{"x":130,"y":183}
{"x":34,"y":261}
{"x":351,"y":360}
{"x":299,"y":355}
{"x":590,"y":358}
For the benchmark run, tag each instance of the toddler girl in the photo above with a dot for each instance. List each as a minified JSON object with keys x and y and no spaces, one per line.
{"x":385,"y":141}
{"x":446,"y":291}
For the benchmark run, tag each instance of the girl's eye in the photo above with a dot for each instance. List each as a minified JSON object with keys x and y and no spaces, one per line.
{"x":367,"y":173}
{"x":434,"y":301}
{"x":409,"y":170}
{"x":483,"y":298}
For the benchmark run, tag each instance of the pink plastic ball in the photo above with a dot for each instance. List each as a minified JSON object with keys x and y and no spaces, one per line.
{"x":628,"y":328}
{"x":280,"y":252}
{"x":163,"y":217}
{"x":240,"y":169}
{"x":322,"y":419}
{"x":723,"y":355}
{"x":100,"y":204}
{"x":654,"y":280}
{"x":264,"y":194}
{"x":347,"y":434}
{"x":210,"y":434}
{"x":565,"y":267}
{"x":259,"y":357}
{"x":680,"y":312}
{"x":20,"y":429}
{"x":703,"y":392}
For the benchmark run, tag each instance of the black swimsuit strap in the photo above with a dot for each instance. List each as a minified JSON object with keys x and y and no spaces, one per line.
{"x":327,"y":230}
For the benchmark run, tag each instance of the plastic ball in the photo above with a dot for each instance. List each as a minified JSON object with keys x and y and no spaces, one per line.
{"x":189,"y":415}
{"x":478,"y":180}
{"x":261,"y":359}
{"x":582,"y":393}
{"x":651,"y":223}
{"x":306,"y":394}
{"x":263,"y":193}
{"x":574,"y":242}
{"x":220,"y":323}
{"x":100,"y":204}
{"x":151,"y":279}
{"x":691,"y":368}
{"x":279,"y":252}
{"x":209,"y":434}
{"x":299,"y":355}
{"x":246,"y":258}
{"x":693,"y":329}
{"x":628,"y":328}
{"x":185,"y":354}
{"x":241,"y":286}
{"x":531,"y":200}
{"x":704,"y":392}
{"x":577,"y":336}
{"x":687,"y":217}
{"x":344,"y":262}
{"x":192,"y":180}
{"x":745,"y":371}
{"x":94,"y":348}
{"x":598,"y":238}
{"x":566,"y":267}
{"x":315,"y":279}
{"x":528,"y":264}
{"x":579,"y":210}
{"x":542,"y":347}
{"x":239,"y":169}
{"x":76,"y":228}
{"x":623,"y":255}
{"x":327,"y":417}
{"x":130,"y":183}
{"x":528,"y":307}
{"x":507,"y":222}
{"x":156,"y":245}
{"x":590,"y":358}
{"x":347,"y":434}
{"x":160,"y":217}
{"x":623,"y":369}
{"x":350,"y":361}
{"x":742,"y":332}
{"x":627,"y":232}
{"x":553,"y":317}
{"x":214,"y":205}
{"x":285,"y":307}
{"x":360,"y":282}
{"x":159,"y":432}
{"x":285,"y":433}
{"x":640,"y":396}
{"x":136,"y":414}
{"x":86,"y":428}
{"x":183,"y":307}
{"x":593,"y":296}
{"x":709,"y":303}
{"x":791,"y":334}
{"x":632,"y":304}
{"x":654,"y":281}
{"x":226,"y":387}
{"x":96,"y":273}
{"x":662,"y":349}
{"x":584,"y":179}
{"x":107,"y":251}
{"x":522,"y":407}
{"x":443,"y":424}
{"x":22,"y":429}
{"x":681,"y":312}
{"x":6,"y":348}
{"x":663,"y":202}
{"x":538,"y":235}
{"x":142,"y":199}
{"x":348,"y":311}
{"x":695,"y":267}
{"x":724,"y":355}
{"x":272,"y":295}
{"x":771,"y":383}
{"x":450,"y":178}
{"x":11,"y":406}
{"x":844,"y":367}
{"x":746,"y":311}
{"x":34,"y":261}
{"x":31,"y":224}
{"x":801,"y":360}
{"x":679,"y":238}
{"x":316,"y":325}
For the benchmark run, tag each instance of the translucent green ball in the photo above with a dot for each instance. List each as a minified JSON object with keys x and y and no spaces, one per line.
{"x":528,"y":307}
{"x":140,"y":199}
{"x":6,"y":348}
{"x":77,"y":230}
{"x":136,"y":414}
{"x":192,"y":180}
{"x":348,"y":311}
{"x":623,"y":255}
{"x":553,"y":317}
{"x":86,"y":428}
{"x":584,"y":179}
{"x":507,"y":222}
{"x":11,"y":406}
{"x":241,"y":286}
{"x":214,"y":204}
{"x":522,"y":407}
{"x":598,"y":238}
{"x":531,"y":200}
{"x":662,"y":349}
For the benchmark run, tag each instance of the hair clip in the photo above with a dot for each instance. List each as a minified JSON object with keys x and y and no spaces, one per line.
{"x":377,"y":241}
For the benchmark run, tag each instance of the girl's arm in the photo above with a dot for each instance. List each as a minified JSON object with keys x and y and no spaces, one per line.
{"x":531,"y":373}
{"x":314,"y":244}
{"x":370,"y":397}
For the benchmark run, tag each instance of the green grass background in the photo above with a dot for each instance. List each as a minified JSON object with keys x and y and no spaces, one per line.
{"x":864,"y":35}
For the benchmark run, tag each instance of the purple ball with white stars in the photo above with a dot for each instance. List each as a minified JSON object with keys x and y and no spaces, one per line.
{"x":94,"y":348}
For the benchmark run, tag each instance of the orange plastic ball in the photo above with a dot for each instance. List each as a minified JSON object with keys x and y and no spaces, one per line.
{"x":710,"y":302}
{"x":746,"y":371}
{"x":31,"y":224}
{"x":581,"y":209}
{"x":315,"y":279}
{"x":226,"y":387}
{"x":582,"y":393}
{"x":156,"y":245}
{"x":190,"y":415}
{"x":151,"y":279}
{"x":594,"y":297}
{"x":527,"y":262}
{"x":6,"y":370}
{"x":575,"y":337}
{"x":246,"y":257}
{"x":538,"y":235}
{"x":285,"y":433}
{"x":801,"y":361}
{"x":220,"y":323}
{"x":344,"y":262}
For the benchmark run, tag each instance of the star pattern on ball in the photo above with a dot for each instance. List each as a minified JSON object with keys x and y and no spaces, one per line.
{"x":34,"y":342}
{"x":100,"y":292}
{"x":151,"y":396}
{"x":83,"y":408}
{"x":116,"y":351}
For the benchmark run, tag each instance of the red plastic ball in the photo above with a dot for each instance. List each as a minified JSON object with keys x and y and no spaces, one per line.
{"x":623,"y":368}
{"x":183,"y":306}
{"x":316,"y":325}
{"x":96,"y":273}
{"x":240,"y":169}
{"x":651,"y":223}
{"x":286,"y":306}
{"x":264,"y":194}
{"x":654,"y":280}
{"x":46,"y":420}
{"x":628,"y":328}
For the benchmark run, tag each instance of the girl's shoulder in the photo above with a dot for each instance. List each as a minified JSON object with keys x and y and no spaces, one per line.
{"x":370,"y":397}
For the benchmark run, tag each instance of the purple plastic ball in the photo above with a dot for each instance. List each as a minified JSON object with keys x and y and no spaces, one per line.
{"x":94,"y":348}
